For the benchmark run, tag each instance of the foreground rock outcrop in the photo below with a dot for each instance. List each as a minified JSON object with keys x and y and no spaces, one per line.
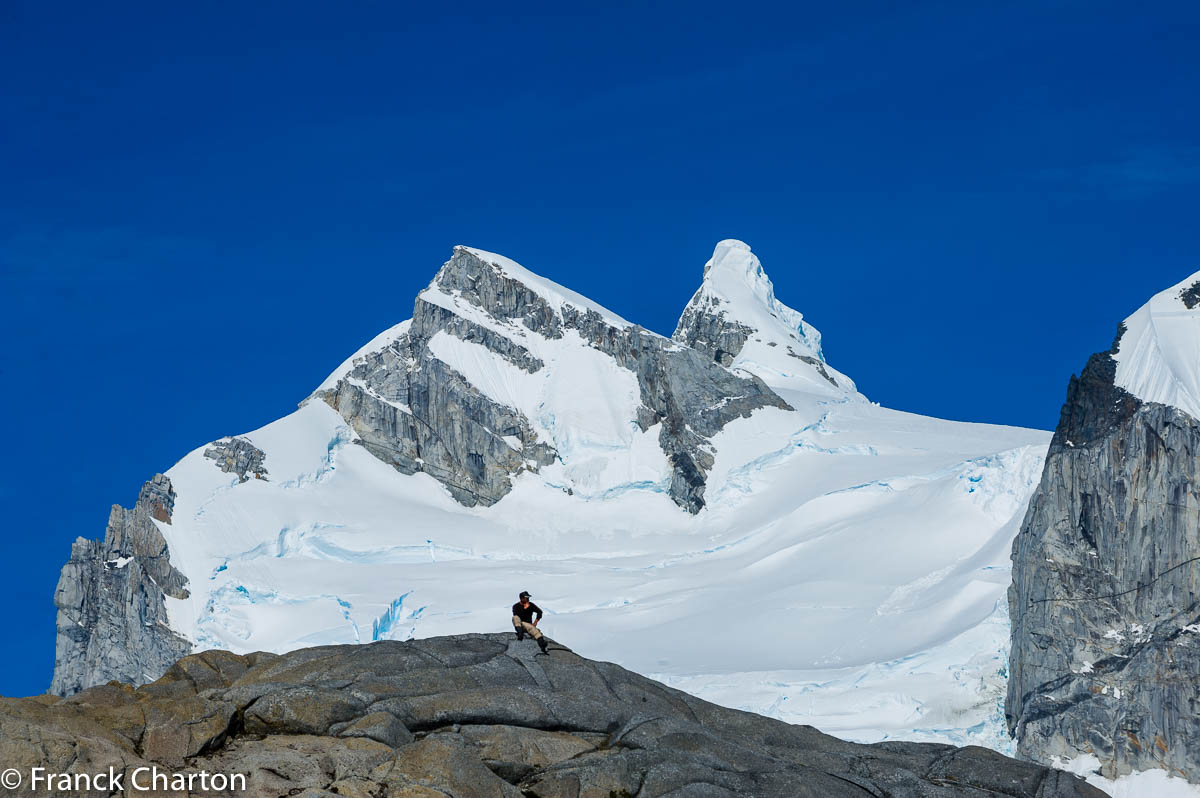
{"x":112,"y":618}
{"x":1105,"y":599}
{"x":472,"y":716}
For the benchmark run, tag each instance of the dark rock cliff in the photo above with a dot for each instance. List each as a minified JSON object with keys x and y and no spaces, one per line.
{"x":1105,"y":600}
{"x":112,"y":618}
{"x":473,"y":716}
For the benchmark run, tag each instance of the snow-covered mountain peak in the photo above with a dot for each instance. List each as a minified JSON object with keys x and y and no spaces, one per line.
{"x":734,"y":281}
{"x":1158,"y":354}
{"x":736,"y":319}
{"x":503,"y":374}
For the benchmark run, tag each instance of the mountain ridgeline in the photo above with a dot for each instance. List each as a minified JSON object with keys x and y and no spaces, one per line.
{"x":415,"y":412}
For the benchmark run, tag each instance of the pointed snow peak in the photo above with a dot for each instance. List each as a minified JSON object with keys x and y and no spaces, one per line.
{"x":1158,"y":352}
{"x":732,"y":255}
{"x":736,"y":319}
{"x":734,"y":277}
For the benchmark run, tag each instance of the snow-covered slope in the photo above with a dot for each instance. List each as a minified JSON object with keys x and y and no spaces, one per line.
{"x":1158,"y":359}
{"x":845,"y":568}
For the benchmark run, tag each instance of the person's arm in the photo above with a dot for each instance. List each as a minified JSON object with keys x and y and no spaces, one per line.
{"x":537,"y":613}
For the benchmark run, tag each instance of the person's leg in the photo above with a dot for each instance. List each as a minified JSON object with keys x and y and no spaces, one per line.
{"x":532,"y":630}
{"x":523,"y":628}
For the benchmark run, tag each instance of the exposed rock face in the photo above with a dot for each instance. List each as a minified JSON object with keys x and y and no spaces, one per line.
{"x":1105,"y":600}
{"x":414,"y":411}
{"x":238,"y":456}
{"x":473,"y":715}
{"x":705,"y":326}
{"x":157,"y":498}
{"x":112,"y":620}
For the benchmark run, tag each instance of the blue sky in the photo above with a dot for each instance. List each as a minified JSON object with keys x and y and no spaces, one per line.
{"x":206,"y":208}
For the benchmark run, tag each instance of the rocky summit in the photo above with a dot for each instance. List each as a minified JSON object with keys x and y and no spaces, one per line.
{"x":468,"y":716}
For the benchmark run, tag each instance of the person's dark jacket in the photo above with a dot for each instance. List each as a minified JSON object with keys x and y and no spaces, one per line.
{"x":526,"y":613}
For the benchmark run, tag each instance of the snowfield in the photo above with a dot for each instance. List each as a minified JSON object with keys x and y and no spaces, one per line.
{"x":1158,"y":358}
{"x":849,"y":570}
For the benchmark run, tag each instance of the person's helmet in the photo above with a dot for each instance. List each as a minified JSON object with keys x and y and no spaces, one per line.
{"x":524,"y":594}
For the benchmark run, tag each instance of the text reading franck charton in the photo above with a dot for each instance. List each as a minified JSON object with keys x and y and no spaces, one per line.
{"x":141,"y":779}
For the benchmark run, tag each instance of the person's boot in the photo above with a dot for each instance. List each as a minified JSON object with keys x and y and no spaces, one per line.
{"x":520,"y":635}
{"x":542,"y":643}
